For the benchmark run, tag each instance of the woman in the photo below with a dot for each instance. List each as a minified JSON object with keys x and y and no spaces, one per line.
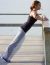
{"x":33,"y":17}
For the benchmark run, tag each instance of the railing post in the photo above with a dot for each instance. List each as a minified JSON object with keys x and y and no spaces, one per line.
{"x":43,"y":37}
{"x":46,"y":37}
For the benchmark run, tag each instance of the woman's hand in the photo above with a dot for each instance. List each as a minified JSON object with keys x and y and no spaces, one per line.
{"x":38,"y":16}
{"x":44,"y":18}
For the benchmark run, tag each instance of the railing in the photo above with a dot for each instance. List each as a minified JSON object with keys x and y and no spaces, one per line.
{"x":17,"y":25}
{"x":14,"y":25}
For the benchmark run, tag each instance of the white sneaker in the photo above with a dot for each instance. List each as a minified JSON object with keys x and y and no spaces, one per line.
{"x":2,"y":61}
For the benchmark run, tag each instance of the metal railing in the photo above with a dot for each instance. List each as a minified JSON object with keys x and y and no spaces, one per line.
{"x":14,"y":25}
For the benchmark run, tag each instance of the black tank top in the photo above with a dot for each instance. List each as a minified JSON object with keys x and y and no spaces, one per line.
{"x":27,"y":25}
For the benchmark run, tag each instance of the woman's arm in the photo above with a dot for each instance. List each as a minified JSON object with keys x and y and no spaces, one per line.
{"x":38,"y":16}
{"x":42,"y":18}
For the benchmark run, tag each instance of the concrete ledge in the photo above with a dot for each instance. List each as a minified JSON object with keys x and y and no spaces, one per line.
{"x":46,"y":30}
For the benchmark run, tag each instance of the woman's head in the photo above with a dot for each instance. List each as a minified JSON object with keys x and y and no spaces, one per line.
{"x":36,"y":5}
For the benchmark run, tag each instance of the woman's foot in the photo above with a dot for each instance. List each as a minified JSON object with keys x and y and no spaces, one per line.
{"x":2,"y":61}
{"x":8,"y":61}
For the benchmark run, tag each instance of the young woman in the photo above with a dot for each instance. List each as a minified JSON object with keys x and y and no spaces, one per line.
{"x":32,"y":18}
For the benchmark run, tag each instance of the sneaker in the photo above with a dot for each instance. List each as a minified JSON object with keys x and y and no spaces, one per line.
{"x":2,"y":61}
{"x":8,"y":61}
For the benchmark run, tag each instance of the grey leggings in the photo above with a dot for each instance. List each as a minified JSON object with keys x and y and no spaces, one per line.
{"x":14,"y":45}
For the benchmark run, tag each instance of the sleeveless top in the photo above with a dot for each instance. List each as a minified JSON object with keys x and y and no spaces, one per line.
{"x":27,"y":25}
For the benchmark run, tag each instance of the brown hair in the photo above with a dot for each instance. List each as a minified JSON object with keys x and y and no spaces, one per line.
{"x":35,"y":3}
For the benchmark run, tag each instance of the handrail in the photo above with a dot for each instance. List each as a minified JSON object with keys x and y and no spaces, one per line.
{"x":14,"y":13}
{"x":17,"y":25}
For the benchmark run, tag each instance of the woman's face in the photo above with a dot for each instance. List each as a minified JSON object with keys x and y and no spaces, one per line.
{"x":38,"y":6}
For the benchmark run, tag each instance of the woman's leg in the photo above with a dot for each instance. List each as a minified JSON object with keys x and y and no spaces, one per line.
{"x":14,"y":45}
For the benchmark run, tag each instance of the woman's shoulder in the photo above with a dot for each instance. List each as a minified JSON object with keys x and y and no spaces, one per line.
{"x":33,"y":14}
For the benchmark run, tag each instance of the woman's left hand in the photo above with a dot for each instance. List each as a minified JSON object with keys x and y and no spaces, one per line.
{"x":45,"y":18}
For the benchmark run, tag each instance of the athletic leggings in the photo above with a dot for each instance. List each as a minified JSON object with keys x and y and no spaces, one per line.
{"x":14,"y":45}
